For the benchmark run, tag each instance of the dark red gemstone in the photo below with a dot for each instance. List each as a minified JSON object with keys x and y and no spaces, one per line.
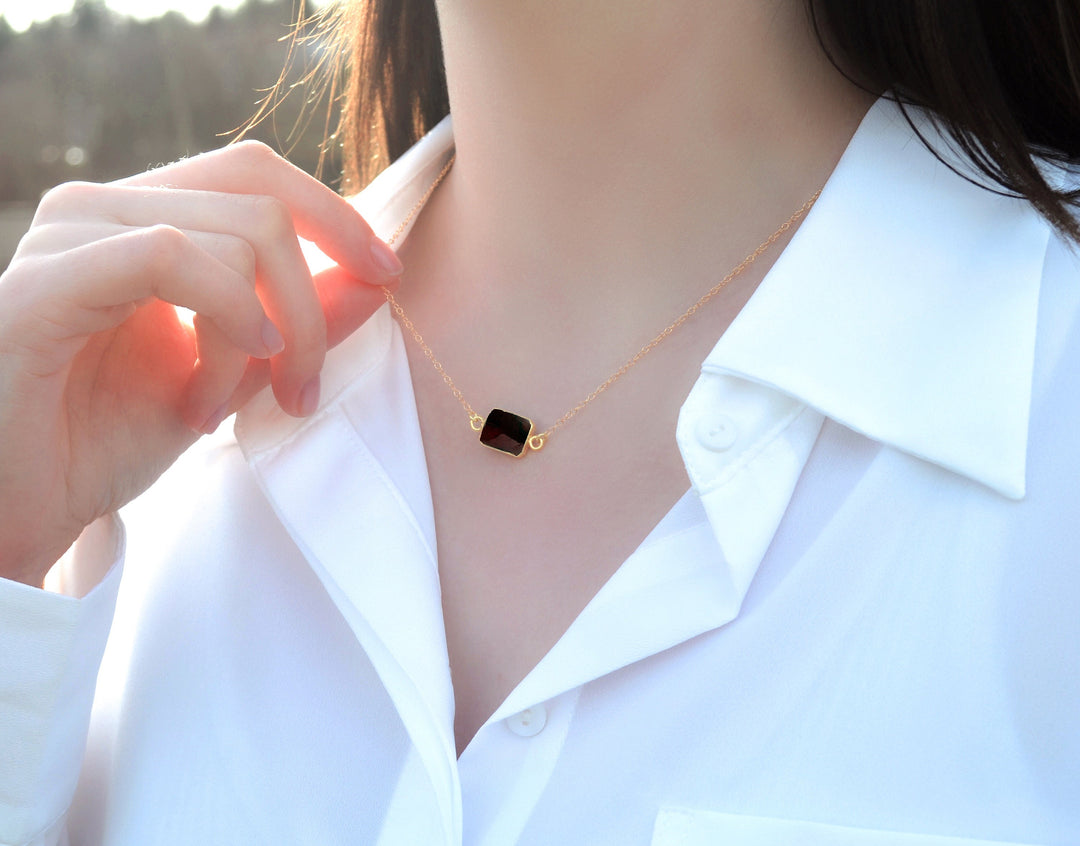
{"x":506,"y":432}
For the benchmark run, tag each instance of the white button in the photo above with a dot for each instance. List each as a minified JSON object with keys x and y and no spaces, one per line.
{"x":717,"y":432}
{"x":529,"y":722}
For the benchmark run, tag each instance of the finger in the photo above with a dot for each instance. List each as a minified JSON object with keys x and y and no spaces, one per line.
{"x":345,"y":304}
{"x":46,"y":239}
{"x":51,"y":238}
{"x":321,"y":215}
{"x":281,"y":272}
{"x":217,"y":373}
{"x":159,"y":262}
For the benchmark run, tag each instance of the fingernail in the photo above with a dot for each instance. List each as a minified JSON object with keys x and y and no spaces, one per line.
{"x":309,"y":398}
{"x":271,"y":338}
{"x":386,"y":258}
{"x":214,"y":420}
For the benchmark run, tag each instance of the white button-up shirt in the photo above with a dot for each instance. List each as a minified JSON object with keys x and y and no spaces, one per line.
{"x":859,"y":627}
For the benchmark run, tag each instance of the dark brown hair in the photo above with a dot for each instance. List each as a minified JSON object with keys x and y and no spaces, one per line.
{"x":1001,"y":78}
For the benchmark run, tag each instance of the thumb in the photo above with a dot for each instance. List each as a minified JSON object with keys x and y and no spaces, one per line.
{"x":346,"y":302}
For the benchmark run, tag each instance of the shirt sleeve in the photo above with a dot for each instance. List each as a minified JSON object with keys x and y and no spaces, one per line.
{"x":51,"y":645}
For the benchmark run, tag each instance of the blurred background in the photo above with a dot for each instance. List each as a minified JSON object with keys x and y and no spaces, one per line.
{"x":93,"y":93}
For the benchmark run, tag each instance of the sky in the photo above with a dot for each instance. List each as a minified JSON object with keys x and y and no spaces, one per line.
{"x":20,"y":13}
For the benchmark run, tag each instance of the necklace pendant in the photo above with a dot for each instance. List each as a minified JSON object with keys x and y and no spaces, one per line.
{"x":509,"y":433}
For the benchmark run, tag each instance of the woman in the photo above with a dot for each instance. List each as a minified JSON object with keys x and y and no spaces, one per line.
{"x":839,"y":606}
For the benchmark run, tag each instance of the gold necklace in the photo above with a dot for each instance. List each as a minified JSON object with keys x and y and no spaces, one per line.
{"x":513,"y":434}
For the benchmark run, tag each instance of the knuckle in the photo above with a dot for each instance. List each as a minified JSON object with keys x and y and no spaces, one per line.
{"x":38,"y":239}
{"x":240,"y":256}
{"x":252,"y":149}
{"x":63,"y":197}
{"x":164,"y":246}
{"x":273,"y":217}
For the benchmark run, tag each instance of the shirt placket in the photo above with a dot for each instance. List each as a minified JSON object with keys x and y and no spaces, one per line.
{"x":745,"y":446}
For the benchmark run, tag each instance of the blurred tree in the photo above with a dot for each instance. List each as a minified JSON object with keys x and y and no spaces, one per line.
{"x":7,"y":34}
{"x":216,"y":19}
{"x":98,"y":96}
{"x":91,"y":17}
{"x":93,"y":95}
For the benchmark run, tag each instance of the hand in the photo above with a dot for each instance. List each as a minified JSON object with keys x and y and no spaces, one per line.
{"x":102,"y":386}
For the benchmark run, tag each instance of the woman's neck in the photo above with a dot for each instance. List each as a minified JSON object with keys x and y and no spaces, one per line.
{"x":605,"y":141}
{"x":615,"y":160}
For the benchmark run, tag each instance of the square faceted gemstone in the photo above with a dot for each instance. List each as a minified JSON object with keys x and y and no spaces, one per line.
{"x":506,"y":432}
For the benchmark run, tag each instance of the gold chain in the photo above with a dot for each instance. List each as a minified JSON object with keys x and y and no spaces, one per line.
{"x":537,"y":441}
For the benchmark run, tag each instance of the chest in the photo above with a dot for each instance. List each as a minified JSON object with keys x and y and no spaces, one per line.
{"x":895,"y":666}
{"x":525,"y":543}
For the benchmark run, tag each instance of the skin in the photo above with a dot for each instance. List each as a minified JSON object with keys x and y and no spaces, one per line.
{"x":611,"y":167}
{"x":102,"y":387}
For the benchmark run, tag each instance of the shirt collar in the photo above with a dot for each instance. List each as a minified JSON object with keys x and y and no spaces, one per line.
{"x":905,"y":307}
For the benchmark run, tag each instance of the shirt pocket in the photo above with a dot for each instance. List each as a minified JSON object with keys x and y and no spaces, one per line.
{"x":686,"y":827}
